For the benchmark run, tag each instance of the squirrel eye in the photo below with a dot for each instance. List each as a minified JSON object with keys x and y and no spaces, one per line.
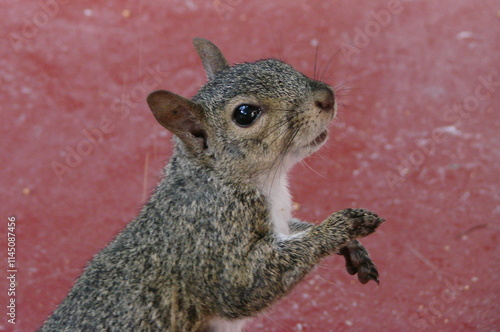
{"x":244,"y":115}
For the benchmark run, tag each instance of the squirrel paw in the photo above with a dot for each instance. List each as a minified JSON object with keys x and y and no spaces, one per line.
{"x":358,"y":261}
{"x":361,"y":222}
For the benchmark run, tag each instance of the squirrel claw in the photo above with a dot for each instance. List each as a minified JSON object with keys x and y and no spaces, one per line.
{"x":359,"y":262}
{"x":362,"y":222}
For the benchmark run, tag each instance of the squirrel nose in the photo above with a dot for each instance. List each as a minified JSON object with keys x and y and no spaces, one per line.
{"x":325,"y":100}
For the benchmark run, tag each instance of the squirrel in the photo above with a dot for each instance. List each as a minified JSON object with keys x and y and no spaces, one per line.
{"x":216,"y":243}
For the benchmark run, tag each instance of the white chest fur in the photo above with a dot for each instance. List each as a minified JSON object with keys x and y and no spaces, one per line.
{"x":275,"y":187}
{"x":223,"y":325}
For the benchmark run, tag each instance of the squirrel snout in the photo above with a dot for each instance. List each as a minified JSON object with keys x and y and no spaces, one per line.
{"x":325,"y":100}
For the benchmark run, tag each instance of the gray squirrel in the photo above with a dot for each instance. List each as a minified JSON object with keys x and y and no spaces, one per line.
{"x":216,"y":243}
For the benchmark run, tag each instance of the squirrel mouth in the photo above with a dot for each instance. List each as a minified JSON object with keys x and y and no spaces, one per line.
{"x":320,"y":139}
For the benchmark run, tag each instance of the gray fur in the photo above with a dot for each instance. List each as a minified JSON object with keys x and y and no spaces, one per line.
{"x":204,"y":246}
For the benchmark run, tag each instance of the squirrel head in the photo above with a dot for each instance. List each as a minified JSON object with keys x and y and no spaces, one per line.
{"x":249,"y":118}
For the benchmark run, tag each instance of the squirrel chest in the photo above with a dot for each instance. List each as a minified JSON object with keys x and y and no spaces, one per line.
{"x":275,"y":189}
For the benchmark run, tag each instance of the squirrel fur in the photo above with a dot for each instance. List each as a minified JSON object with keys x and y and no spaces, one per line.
{"x":216,"y":243}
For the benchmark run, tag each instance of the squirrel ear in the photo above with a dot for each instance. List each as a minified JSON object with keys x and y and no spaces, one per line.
{"x":211,"y":57}
{"x":181,"y":116}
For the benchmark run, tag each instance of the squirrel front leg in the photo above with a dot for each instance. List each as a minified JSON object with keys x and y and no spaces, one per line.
{"x":297,"y":225}
{"x":358,"y":261}
{"x":356,"y":256}
{"x":275,"y":265}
